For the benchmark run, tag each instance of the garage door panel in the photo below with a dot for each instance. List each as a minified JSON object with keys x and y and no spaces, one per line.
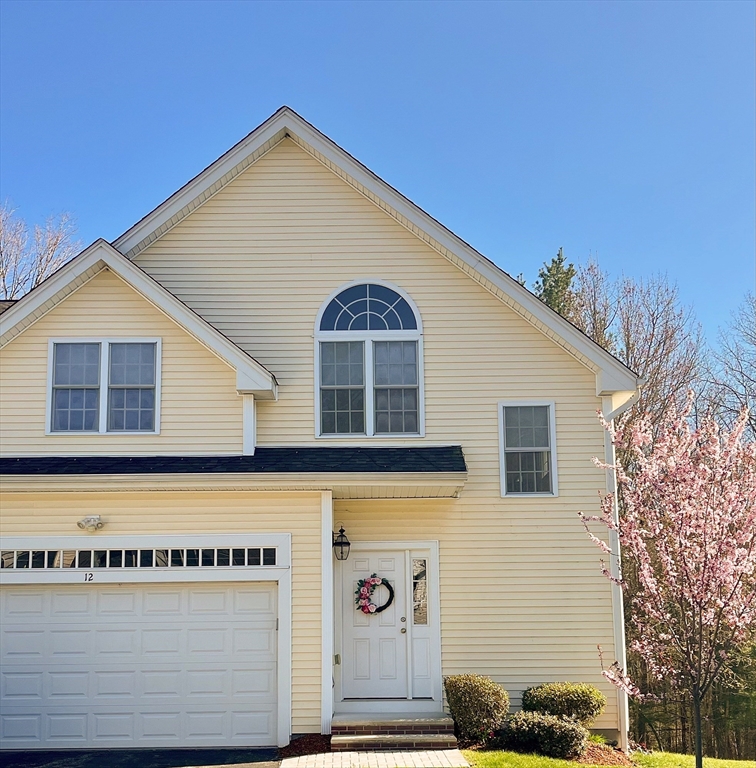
{"x":143,"y":672}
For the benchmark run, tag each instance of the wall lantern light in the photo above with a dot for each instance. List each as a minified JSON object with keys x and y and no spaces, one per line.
{"x":90,"y":523}
{"x":341,"y":545}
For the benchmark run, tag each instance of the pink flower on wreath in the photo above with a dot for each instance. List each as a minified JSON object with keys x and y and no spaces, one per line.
{"x":364,"y":592}
{"x":371,"y":608}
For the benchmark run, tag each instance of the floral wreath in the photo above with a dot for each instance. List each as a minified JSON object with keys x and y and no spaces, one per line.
{"x":364,"y":594}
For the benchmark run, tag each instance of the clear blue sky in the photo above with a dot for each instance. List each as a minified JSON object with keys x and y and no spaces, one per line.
{"x":625,"y":129}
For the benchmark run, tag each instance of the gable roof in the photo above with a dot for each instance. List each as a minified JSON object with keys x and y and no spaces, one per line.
{"x":251,"y":376}
{"x":612,"y":376}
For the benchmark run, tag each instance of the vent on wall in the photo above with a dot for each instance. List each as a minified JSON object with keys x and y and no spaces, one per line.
{"x":216,"y":557}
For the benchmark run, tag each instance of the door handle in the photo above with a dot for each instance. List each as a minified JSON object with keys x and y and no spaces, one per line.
{"x":404,"y":630}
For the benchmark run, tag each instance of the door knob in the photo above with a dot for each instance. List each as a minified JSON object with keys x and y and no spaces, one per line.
{"x":404,"y":630}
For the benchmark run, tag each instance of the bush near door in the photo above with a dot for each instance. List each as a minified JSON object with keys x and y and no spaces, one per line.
{"x":477,"y":704}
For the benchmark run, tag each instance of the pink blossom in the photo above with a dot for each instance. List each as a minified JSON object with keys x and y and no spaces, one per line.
{"x":371,"y":608}
{"x":688,"y":529}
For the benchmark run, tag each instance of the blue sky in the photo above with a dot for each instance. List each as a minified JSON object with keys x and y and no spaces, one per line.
{"x":621,"y":129}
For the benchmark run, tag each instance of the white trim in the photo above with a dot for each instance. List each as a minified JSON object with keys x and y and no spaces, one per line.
{"x":443,"y":484}
{"x":281,"y":573}
{"x":367,"y":338}
{"x":250,"y":375}
{"x":249,"y":424}
{"x":611,"y":374}
{"x":104,"y":385}
{"x":615,"y":567}
{"x":414,"y":548}
{"x":553,"y":448}
{"x":327,"y":622}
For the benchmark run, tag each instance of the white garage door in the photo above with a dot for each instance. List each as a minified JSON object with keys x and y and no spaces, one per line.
{"x":126,"y":665}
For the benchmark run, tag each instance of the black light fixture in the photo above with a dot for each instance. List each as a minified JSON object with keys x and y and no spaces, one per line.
{"x":341,"y":545}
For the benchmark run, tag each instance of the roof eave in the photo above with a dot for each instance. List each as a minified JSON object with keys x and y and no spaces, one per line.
{"x":612,"y":375}
{"x":252,"y":377}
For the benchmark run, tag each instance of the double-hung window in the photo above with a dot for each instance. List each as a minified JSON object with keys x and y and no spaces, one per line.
{"x":369,"y":364}
{"x":527,"y":448}
{"x":104,"y":386}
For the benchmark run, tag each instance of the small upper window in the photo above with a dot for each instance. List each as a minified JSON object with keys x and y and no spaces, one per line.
{"x":104,"y":386}
{"x":370,"y":366}
{"x":527,"y":449}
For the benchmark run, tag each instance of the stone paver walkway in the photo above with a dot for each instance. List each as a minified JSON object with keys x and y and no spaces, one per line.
{"x":435,"y":758}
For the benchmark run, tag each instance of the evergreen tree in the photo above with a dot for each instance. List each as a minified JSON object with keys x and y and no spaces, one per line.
{"x":554,"y":285}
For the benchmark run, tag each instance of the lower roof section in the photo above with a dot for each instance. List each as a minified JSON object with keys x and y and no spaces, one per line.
{"x":349,"y":472}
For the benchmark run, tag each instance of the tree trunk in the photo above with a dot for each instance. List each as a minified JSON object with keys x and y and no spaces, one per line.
{"x":697,"y":726}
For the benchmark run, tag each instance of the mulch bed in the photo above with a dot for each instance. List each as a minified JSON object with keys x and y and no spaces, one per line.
{"x":602,"y":754}
{"x":309,"y":744}
{"x":595,"y":754}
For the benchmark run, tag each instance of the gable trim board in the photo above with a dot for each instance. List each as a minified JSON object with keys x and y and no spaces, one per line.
{"x":613,"y":378}
{"x":251,"y":376}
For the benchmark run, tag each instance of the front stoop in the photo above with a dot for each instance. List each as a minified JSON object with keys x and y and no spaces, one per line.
{"x":352,"y":733}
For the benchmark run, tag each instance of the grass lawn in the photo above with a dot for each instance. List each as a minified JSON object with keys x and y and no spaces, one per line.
{"x":500,"y":759}
{"x":671,"y":760}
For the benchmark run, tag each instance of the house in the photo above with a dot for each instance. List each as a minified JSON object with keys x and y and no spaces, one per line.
{"x":285,"y":348}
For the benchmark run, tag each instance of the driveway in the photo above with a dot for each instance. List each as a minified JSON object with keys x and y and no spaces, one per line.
{"x":141,"y":758}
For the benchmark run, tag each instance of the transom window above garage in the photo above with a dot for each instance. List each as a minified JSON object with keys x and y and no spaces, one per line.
{"x":104,"y":385}
{"x":173,"y":557}
{"x":369,"y":363}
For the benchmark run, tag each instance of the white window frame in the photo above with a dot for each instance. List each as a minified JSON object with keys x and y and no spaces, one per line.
{"x":367,"y":338}
{"x":552,"y":448}
{"x":104,"y":343}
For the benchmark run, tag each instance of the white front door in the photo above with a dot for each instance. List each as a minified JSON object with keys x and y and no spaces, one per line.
{"x":374,"y":662}
{"x":396,"y":653}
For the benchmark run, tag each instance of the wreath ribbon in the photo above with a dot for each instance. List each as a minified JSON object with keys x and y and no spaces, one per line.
{"x":364,"y":594}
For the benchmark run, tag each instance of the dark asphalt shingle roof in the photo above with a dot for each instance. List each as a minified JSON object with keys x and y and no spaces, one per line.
{"x":266,"y":460}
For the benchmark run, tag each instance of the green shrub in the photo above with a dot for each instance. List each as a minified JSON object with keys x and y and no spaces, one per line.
{"x":477,"y":704}
{"x":547,"y":735}
{"x":579,"y":701}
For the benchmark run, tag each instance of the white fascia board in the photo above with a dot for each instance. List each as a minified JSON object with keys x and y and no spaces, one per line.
{"x":612,"y":375}
{"x":270,"y":130}
{"x":449,"y":483}
{"x":251,"y":377}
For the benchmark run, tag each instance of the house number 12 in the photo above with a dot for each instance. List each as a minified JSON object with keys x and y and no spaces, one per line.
{"x":88,"y":577}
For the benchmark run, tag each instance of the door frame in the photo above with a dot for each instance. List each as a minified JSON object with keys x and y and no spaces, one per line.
{"x":435,"y":703}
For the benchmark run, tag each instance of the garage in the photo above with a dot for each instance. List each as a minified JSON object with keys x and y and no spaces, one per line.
{"x":188,"y":663}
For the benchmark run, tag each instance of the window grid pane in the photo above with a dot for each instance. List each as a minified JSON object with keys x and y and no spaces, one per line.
{"x":131,"y":392}
{"x":527,"y":448}
{"x":342,"y":393}
{"x":220,"y":557}
{"x":76,"y":387}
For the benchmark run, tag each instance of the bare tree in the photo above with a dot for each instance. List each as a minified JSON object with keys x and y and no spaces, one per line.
{"x":733,"y":376}
{"x":25,"y":261}
{"x":595,"y":303}
{"x":643,"y":323}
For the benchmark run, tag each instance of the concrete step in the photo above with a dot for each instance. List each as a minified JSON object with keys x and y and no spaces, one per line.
{"x":385,"y":742}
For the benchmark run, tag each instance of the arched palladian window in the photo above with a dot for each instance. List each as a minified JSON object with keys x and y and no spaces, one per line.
{"x":369,"y":348}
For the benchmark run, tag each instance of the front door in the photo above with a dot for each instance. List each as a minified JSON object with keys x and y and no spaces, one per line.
{"x":396,"y":653}
{"x":374,"y":646}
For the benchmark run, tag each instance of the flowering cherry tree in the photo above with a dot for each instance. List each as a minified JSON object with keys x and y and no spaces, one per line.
{"x":688,"y":529}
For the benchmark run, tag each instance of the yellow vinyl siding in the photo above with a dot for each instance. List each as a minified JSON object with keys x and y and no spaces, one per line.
{"x":522,"y":597}
{"x":174,"y":513}
{"x":201,"y":412}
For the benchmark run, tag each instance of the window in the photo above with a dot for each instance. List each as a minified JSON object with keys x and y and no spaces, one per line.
{"x":527,"y":448}
{"x":104,"y":386}
{"x":369,"y":350}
